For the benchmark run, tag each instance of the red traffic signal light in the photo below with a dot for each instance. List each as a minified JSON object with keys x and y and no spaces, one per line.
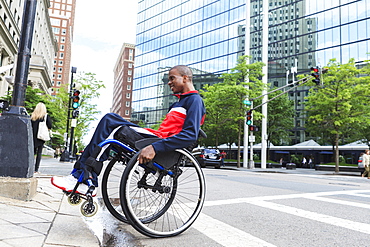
{"x":249,"y":117}
{"x":253,"y":128}
{"x":315,"y":72}
{"x":76,"y":99}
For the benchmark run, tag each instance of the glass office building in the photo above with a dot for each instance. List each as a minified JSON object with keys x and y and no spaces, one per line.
{"x":209,"y":35}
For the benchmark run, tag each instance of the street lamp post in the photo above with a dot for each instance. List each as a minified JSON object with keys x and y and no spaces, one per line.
{"x":16,"y":145}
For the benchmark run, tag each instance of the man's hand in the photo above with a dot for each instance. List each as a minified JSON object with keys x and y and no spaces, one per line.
{"x":146,"y":154}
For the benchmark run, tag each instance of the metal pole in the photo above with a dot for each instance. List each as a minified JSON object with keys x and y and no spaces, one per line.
{"x":72,"y":154}
{"x":16,"y":145}
{"x":67,"y":150}
{"x":246,"y":79}
{"x":251,"y":162}
{"x":264,"y":80}
{"x":24,"y":54}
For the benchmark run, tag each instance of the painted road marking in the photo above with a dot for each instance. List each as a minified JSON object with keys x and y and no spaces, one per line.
{"x":352,"y":225}
{"x":225,"y":234}
{"x":228,"y":235}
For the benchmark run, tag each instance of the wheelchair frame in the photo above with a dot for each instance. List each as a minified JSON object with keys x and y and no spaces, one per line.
{"x":161,"y":185}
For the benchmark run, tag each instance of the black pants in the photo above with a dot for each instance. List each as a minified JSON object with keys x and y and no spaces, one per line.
{"x":38,"y":153}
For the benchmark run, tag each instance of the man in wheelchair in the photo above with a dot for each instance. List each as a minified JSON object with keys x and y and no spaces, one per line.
{"x":179,"y":129}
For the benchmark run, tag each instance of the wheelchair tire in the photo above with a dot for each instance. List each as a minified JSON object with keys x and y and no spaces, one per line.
{"x":110,"y":188}
{"x":165,"y":213}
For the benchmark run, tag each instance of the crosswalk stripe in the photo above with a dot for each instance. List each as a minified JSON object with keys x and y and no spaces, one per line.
{"x":288,"y":196}
{"x":355,"y":226}
{"x":225,"y":234}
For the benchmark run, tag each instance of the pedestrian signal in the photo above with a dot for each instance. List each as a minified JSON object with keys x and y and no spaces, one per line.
{"x":253,"y":128}
{"x":75,"y":113}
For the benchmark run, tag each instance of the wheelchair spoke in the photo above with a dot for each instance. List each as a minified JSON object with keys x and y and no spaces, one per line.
{"x":168,"y":204}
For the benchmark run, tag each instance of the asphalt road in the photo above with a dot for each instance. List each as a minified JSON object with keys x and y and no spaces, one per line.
{"x":264,"y":208}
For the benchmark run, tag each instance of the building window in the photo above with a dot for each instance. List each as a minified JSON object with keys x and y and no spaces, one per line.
{"x":128,"y":87}
{"x":128,"y":79}
{"x":127,"y":103}
{"x":129,"y":72}
{"x":128,"y":95}
{"x":56,"y":30}
{"x":127,"y":112}
{"x":130,"y":65}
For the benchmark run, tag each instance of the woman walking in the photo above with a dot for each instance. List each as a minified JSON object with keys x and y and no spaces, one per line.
{"x":37,"y":116}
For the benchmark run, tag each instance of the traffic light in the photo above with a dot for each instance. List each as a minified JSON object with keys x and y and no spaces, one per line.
{"x":315,"y":72}
{"x":249,"y":117}
{"x":76,"y":99}
{"x":253,"y":128}
{"x":75,"y":113}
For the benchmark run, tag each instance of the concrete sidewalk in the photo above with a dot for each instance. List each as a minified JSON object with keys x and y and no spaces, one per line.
{"x":47,"y":220}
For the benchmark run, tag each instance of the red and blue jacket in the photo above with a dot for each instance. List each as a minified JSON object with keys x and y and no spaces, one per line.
{"x":180,"y":128}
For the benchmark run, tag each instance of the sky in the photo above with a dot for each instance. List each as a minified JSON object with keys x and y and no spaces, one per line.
{"x":99,"y":33}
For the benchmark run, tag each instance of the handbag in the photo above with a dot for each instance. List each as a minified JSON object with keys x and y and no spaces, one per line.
{"x":43,"y":133}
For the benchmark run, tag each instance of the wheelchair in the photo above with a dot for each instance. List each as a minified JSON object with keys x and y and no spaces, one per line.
{"x":162,"y":198}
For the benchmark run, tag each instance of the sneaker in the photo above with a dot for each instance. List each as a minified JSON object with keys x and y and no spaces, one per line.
{"x":68,"y":183}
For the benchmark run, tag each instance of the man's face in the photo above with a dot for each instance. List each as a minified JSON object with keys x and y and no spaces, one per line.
{"x":176,"y":81}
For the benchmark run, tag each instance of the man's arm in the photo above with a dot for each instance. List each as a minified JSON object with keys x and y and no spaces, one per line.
{"x":190,"y":130}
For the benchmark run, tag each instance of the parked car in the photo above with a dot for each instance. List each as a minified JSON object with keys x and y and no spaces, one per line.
{"x":208,"y":157}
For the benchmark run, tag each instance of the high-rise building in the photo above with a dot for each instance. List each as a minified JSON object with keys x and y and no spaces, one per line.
{"x":62,"y":15}
{"x":43,"y":49}
{"x":208,"y":36}
{"x":123,"y":78}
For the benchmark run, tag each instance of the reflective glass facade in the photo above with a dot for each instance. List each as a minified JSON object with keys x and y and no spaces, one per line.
{"x":208,"y":36}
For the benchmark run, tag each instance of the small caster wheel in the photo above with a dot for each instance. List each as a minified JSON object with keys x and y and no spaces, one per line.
{"x":74,"y":199}
{"x":89,"y":209}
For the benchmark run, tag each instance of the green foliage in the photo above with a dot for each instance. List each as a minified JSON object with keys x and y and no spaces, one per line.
{"x":296,"y":159}
{"x":90,"y":87}
{"x":57,"y":107}
{"x":339,"y":105}
{"x":280,"y":114}
{"x":224,"y":102}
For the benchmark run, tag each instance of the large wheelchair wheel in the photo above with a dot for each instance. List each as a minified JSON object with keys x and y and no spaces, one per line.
{"x":110,"y":187}
{"x":160,"y":203}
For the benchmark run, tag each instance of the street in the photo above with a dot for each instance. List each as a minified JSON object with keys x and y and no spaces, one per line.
{"x":262,"y":208}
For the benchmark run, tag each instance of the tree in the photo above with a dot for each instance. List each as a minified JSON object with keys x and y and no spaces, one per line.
{"x":224,"y":102}
{"x":280,"y":118}
{"x":90,"y":87}
{"x":339,"y":104}
{"x":57,"y":106}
